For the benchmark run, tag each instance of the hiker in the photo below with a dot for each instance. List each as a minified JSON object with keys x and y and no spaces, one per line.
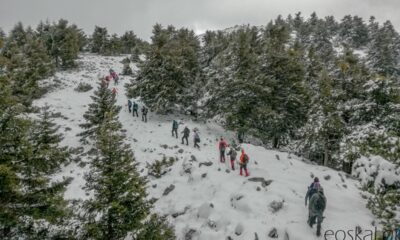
{"x":312,"y":189}
{"x":186,"y":133}
{"x":114,"y":92}
{"x":244,"y":159}
{"x":135,"y":107}
{"x":240,"y":136}
{"x":107,"y":80}
{"x":232,"y":153}
{"x":222,"y":146}
{"x":129,"y":105}
{"x":144,"y":114}
{"x":316,"y":209}
{"x":175,"y":126}
{"x":196,"y":139}
{"x":115,"y":77}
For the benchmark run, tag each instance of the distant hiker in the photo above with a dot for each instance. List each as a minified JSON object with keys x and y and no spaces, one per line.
{"x":144,"y":114}
{"x":108,"y":79}
{"x":316,"y":209}
{"x":114,"y":92}
{"x":244,"y":159}
{"x":232,"y":153}
{"x":240,"y":136}
{"x":129,"y":105}
{"x":114,"y":75}
{"x":222,"y":146}
{"x":196,"y":139}
{"x":175,"y":126}
{"x":111,"y":71}
{"x":135,"y":107}
{"x":186,"y":133}
{"x":313,"y":188}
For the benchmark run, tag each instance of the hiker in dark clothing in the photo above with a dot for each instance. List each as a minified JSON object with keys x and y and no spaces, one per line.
{"x":186,"y":133}
{"x":196,"y":139}
{"x":232,"y":153}
{"x":240,"y":136}
{"x":129,"y":105}
{"x":144,"y":114}
{"x":222,"y":146}
{"x":316,"y":209}
{"x":135,"y":109}
{"x":313,"y":188}
{"x":175,"y":126}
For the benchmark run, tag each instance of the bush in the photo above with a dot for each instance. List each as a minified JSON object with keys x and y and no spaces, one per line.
{"x":159,"y":168}
{"x":83,"y":87}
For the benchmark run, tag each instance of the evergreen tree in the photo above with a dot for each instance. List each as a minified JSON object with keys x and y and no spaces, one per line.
{"x":45,"y":142}
{"x":129,"y":42}
{"x":99,"y":39}
{"x":103,"y":102}
{"x":119,"y":207}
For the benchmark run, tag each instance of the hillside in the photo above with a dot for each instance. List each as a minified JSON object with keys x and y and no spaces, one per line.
{"x":207,"y":202}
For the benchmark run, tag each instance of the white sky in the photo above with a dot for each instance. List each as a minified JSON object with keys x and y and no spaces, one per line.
{"x":199,"y":15}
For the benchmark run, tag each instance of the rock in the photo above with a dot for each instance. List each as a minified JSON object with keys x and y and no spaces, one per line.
{"x":153,"y":200}
{"x":154,"y":185}
{"x":327,"y":177}
{"x":227,"y":170}
{"x":258,"y":189}
{"x":229,"y":238}
{"x":168,"y":189}
{"x":82,"y":164}
{"x":219,"y":169}
{"x":255,"y":162}
{"x":264,"y":183}
{"x":176,"y":146}
{"x":177,"y":214}
{"x":207,"y":164}
{"x":256,"y":236}
{"x":273,"y":233}
{"x":212,"y":224}
{"x":193,"y":158}
{"x":204,"y":211}
{"x":277,"y":157}
{"x":134,"y":140}
{"x":189,"y":234}
{"x":276,"y":206}
{"x":211,"y":205}
{"x":239,"y":229}
{"x":67,"y":129}
{"x":180,"y":150}
{"x":203,"y":175}
{"x":165,"y":146}
{"x":344,"y":185}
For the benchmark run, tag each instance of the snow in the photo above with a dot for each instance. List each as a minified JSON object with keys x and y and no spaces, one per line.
{"x":214,"y":205}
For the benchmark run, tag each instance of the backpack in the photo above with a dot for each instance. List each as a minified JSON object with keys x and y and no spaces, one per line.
{"x":319,"y":203}
{"x":175,"y":125}
{"x":135,"y":106}
{"x":245,"y":158}
{"x":222,"y":146}
{"x":129,"y":103}
{"x":197,"y":137}
{"x":233,"y":153}
{"x":313,"y":189}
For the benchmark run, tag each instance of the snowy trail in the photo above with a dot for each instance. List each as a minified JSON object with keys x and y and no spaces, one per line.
{"x":234,"y":200}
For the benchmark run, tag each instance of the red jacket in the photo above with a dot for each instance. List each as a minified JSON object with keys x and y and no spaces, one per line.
{"x":242,"y":157}
{"x":222,"y":143}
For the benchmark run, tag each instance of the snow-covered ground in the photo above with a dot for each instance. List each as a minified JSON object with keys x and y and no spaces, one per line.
{"x":209,"y":202}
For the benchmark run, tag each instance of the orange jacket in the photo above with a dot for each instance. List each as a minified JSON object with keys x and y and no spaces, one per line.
{"x":242,"y":157}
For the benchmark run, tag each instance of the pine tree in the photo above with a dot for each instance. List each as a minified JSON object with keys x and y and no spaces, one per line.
{"x":129,"y":42}
{"x":47,"y":153}
{"x":99,"y":40}
{"x":119,"y":207}
{"x":103,"y":103}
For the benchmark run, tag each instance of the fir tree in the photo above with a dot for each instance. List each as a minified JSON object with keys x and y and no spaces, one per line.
{"x":103,"y":103}
{"x":119,"y":207}
{"x":99,"y":39}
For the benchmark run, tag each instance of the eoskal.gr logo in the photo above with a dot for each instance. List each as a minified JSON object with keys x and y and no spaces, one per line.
{"x":358,"y":234}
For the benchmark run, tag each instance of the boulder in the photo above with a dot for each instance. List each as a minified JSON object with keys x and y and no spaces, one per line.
{"x":169,"y":189}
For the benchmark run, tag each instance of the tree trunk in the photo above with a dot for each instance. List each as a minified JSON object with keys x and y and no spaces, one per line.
{"x":326,"y":153}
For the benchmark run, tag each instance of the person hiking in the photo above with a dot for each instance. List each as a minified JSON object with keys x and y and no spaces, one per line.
{"x":135,"y":107}
{"x":107,"y":80}
{"x":196,"y":139}
{"x":312,"y":189}
{"x":175,"y":126}
{"x":186,"y":133}
{"x":316,"y":209}
{"x":244,"y":160}
{"x":144,"y":114}
{"x":114,"y":92}
{"x":114,"y":75}
{"x":129,"y":105}
{"x":222,"y":146}
{"x":232,"y":154}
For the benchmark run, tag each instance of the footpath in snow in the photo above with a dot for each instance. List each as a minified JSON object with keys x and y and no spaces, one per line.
{"x":204,"y":199}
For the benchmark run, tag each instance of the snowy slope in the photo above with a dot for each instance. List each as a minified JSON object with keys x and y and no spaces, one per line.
{"x":215,"y":205}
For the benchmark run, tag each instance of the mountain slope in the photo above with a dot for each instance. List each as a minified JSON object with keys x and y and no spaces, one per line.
{"x":218,"y":204}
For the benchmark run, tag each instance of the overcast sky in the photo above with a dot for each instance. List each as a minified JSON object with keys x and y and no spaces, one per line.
{"x":199,"y":15}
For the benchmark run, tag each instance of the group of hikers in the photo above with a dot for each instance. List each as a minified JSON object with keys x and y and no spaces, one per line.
{"x":133,"y":108}
{"x":112,"y":76}
{"x":222,"y":147}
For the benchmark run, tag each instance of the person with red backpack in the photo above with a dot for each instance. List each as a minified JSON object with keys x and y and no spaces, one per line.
{"x":114,"y":92}
{"x":222,"y":146}
{"x":244,"y":159}
{"x":313,"y":188}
